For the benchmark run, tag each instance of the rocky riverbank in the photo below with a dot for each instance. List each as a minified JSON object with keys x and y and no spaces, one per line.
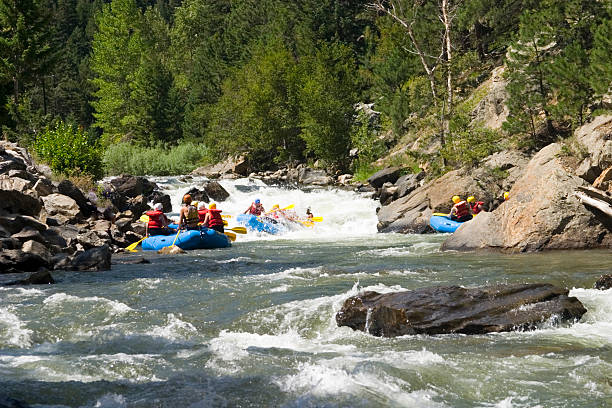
{"x":560,"y":198}
{"x":48,"y":225}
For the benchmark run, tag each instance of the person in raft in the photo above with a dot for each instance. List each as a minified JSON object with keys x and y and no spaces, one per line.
{"x":256,"y":208}
{"x":213,"y":218}
{"x":188,"y":216}
{"x":475,"y":206}
{"x":309,"y":215}
{"x":202,"y":212}
{"x":158,"y":222}
{"x":460,"y":211}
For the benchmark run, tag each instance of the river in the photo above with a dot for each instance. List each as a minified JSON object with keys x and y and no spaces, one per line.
{"x":253,"y":325}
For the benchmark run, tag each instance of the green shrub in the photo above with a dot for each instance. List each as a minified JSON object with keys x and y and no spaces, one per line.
{"x":153,"y":161}
{"x":69,"y":150}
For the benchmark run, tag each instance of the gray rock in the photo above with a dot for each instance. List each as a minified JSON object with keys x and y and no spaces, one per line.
{"x":163,"y":199}
{"x":388,"y":175}
{"x":44,"y":187}
{"x":596,"y":138}
{"x":67,"y":188}
{"x":604,"y":282}
{"x":16,"y":197}
{"x":454,"y":309}
{"x":90,"y":239}
{"x":40,"y":277}
{"x":215,"y":191}
{"x":15,"y":259}
{"x":408,"y":183}
{"x":29,"y":234}
{"x":131,"y":186}
{"x":94,"y":259}
{"x":62,"y":207}
{"x":15,"y":223}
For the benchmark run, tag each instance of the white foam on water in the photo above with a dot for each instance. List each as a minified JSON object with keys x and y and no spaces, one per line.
{"x":175,"y":329}
{"x":111,"y":401}
{"x":148,"y":283}
{"x":419,"y":248}
{"x":281,"y":288}
{"x":230,"y":346}
{"x":332,"y":377}
{"x":13,"y":331}
{"x":62,"y":299}
{"x":345,"y":213}
{"x":233,"y":260}
{"x":291,"y":273}
{"x":20,"y":293}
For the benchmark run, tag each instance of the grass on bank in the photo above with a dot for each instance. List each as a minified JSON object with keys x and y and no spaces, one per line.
{"x":153,"y":161}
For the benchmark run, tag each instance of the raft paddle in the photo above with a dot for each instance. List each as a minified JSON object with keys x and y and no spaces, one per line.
{"x":441,"y":214}
{"x":230,"y":235}
{"x":144,"y":218}
{"x":316,"y":219}
{"x":132,"y":247}
{"x":177,"y":234}
{"x":239,"y":230}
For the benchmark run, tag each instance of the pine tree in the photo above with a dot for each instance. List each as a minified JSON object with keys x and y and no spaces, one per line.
{"x":116,"y":55}
{"x":24,"y":43}
{"x":601,"y":58}
{"x":528,"y":64}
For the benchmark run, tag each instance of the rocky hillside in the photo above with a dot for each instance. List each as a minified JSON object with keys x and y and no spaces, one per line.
{"x":560,"y":198}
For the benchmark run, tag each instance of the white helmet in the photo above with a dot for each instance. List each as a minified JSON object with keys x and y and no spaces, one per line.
{"x":158,"y":207}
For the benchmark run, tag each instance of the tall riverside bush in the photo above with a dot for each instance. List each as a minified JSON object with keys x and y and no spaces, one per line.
{"x":69,"y":150}
{"x":153,"y":161}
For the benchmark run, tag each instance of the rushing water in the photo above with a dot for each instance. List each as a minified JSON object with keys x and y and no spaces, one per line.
{"x":253,"y":325}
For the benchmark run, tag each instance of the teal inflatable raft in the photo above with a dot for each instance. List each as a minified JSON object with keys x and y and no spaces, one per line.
{"x":444,"y":223}
{"x":205,"y":238}
{"x":258,"y":224}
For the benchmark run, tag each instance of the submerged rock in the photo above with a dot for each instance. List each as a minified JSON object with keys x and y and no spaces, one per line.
{"x":171,"y":250}
{"x":454,"y":309}
{"x":604,"y":282}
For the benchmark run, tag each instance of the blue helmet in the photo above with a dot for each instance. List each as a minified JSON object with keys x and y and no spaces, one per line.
{"x":257,"y":201}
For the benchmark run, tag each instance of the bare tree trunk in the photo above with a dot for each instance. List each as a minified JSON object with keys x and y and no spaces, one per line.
{"x":449,"y":74}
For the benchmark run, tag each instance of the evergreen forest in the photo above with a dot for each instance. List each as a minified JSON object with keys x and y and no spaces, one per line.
{"x":161,"y":86}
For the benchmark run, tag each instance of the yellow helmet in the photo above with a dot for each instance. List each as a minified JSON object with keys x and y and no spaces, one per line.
{"x":212,"y":206}
{"x":506,"y":195}
{"x":471,"y":199}
{"x":456,"y":199}
{"x":195,"y":204}
{"x":275,"y":206}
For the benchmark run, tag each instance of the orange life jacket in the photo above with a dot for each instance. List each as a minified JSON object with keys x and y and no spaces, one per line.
{"x":155,"y":219}
{"x":215,"y":218}
{"x":461,"y":209}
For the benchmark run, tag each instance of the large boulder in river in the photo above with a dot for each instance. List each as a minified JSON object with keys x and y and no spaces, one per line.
{"x":541,"y":213}
{"x":94,"y":259}
{"x":454,"y":309}
{"x":216,"y":191}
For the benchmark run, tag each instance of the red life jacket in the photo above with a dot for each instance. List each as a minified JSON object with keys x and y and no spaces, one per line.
{"x":255,"y":209}
{"x":202,"y":214}
{"x":461,"y":209}
{"x":476,"y":207}
{"x":215,"y":218}
{"x":155,"y":219}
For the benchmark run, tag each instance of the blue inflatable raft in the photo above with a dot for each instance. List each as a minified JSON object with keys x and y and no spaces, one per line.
{"x":205,"y":238}
{"x":443,"y":223}
{"x":255,"y":223}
